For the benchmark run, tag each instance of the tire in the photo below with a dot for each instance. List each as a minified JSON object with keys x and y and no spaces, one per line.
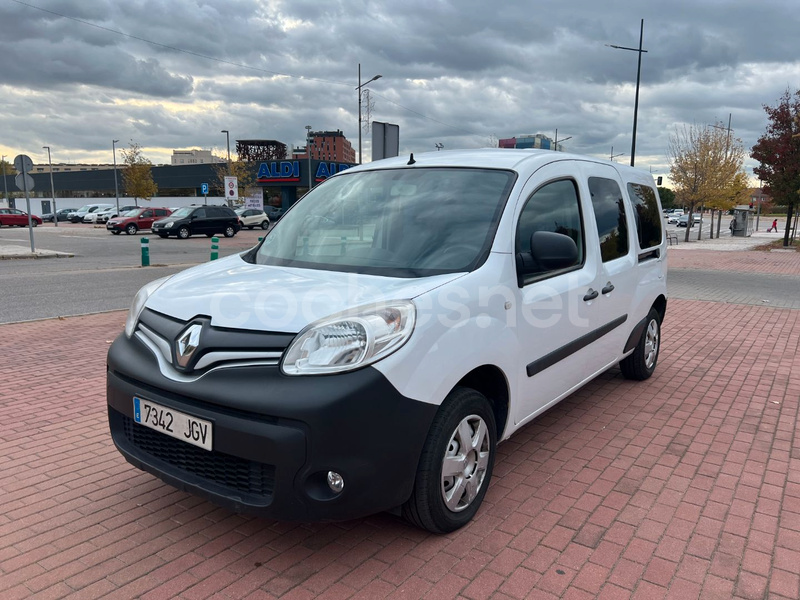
{"x":642,"y":362}
{"x":184,"y":233}
{"x":230,"y":231}
{"x":34,"y":223}
{"x":116,"y":231}
{"x":131,"y":229}
{"x":440,"y":503}
{"x":264,"y":224}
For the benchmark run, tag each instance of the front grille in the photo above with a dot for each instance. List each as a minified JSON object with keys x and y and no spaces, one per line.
{"x":244,"y":476}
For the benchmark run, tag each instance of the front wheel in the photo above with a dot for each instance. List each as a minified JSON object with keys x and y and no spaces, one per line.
{"x":184,"y":233}
{"x":34,"y":223}
{"x":456,"y":464}
{"x":264,"y":224}
{"x":642,"y":362}
{"x":131,"y":229}
{"x":230,"y":231}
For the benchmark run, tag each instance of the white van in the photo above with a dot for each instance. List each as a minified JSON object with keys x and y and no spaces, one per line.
{"x":396,"y":324}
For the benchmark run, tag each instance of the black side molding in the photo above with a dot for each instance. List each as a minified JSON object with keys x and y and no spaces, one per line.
{"x":555,"y":356}
{"x":635,"y":336}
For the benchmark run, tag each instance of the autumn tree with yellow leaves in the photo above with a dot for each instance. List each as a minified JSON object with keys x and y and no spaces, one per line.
{"x":706,"y":169}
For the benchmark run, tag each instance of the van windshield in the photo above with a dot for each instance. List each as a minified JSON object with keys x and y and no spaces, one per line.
{"x":394,"y":222}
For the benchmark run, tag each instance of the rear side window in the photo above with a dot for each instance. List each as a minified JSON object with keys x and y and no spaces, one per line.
{"x":609,"y":212}
{"x":648,"y":217}
{"x":554,"y":207}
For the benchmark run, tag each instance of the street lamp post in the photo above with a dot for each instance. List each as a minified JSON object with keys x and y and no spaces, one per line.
{"x":228,"y":144}
{"x":361,"y":85}
{"x":116,"y":187}
{"x":638,"y":79}
{"x":5,"y":183}
{"x":555,"y":144}
{"x":52,"y":187}
{"x":308,"y":151}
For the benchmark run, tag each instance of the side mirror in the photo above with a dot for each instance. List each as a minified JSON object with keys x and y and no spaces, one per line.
{"x":550,"y":251}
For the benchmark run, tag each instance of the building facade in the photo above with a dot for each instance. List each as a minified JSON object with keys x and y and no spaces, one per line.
{"x":194,"y":157}
{"x":531,"y":140}
{"x":327,"y":146}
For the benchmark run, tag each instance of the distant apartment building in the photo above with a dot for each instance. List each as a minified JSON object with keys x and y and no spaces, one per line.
{"x":327,"y":146}
{"x":194,"y":157}
{"x":67,"y":168}
{"x":537,"y":140}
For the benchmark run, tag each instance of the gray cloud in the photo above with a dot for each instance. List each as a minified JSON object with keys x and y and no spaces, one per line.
{"x":454,"y":71}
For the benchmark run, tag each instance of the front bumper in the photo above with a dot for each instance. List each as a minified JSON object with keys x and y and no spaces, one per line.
{"x":275,"y":436}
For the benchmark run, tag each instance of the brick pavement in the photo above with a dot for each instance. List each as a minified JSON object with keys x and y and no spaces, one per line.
{"x":683,"y":486}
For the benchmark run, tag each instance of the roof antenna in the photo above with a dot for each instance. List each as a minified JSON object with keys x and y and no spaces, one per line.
{"x":411,"y":160}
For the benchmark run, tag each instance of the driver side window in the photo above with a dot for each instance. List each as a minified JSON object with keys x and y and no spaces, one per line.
{"x":554,"y":207}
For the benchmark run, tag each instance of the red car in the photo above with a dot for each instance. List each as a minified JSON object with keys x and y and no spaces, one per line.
{"x":134,"y":220}
{"x":13,"y":216}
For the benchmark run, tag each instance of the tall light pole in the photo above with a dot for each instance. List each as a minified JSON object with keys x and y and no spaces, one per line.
{"x":228,"y":143}
{"x":5,"y":183}
{"x":638,"y":79}
{"x":555,"y":143}
{"x":361,"y":85}
{"x":308,"y":151}
{"x":116,"y":187}
{"x":52,"y":187}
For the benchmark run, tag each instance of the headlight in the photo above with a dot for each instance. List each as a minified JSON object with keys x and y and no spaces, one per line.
{"x":169,"y":224}
{"x":350,"y":340}
{"x":139,"y":300}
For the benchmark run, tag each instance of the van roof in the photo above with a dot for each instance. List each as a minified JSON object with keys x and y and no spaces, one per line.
{"x":499,"y":158}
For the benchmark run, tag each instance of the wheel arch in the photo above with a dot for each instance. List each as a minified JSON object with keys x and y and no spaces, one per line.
{"x":490,"y":381}
{"x":660,"y":306}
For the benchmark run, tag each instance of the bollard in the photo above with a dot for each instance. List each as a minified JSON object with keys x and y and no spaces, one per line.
{"x":145,"y":252}
{"x":214,"y":248}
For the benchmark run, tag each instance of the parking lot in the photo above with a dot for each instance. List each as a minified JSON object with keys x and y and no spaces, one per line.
{"x":683,"y":486}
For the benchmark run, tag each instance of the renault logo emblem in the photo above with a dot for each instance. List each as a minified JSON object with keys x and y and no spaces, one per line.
{"x":187,"y":343}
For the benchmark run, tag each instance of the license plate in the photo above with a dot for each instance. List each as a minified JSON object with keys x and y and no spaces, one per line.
{"x":174,"y":423}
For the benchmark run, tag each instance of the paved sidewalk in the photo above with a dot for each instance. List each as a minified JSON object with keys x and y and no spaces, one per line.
{"x":9,"y":251}
{"x":683,"y":486}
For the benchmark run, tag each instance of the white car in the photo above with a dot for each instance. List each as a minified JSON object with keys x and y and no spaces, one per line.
{"x":92,"y":216}
{"x":399,"y":321}
{"x":252,"y":217}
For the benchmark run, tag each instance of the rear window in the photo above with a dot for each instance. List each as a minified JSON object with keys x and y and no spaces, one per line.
{"x":648,"y":219}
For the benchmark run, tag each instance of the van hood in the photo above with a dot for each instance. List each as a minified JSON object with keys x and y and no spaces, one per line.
{"x":240,"y":295}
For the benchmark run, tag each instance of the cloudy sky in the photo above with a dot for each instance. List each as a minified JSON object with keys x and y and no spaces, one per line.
{"x":170,"y":74}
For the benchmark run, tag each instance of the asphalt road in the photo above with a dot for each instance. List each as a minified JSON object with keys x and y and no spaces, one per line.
{"x":106,"y":273}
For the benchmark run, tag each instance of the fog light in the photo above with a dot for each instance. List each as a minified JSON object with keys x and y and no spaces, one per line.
{"x":335,"y":481}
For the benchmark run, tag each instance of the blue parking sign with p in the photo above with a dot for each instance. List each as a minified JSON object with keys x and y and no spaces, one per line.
{"x":204,"y":189}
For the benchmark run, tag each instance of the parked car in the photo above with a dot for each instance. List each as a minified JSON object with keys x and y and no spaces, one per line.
{"x":99,"y":215}
{"x":683,"y":220}
{"x":354,"y":362}
{"x":136,"y":219}
{"x":110,"y":213}
{"x":63,"y":215}
{"x":189,"y":220}
{"x":273,"y":212}
{"x":251,"y":217}
{"x":14,"y":216}
{"x":77,"y":216}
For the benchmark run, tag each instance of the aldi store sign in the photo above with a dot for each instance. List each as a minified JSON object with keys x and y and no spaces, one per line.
{"x":285,"y":171}
{"x":288,"y":171}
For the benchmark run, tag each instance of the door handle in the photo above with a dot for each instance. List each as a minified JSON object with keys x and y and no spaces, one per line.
{"x":590,"y":295}
{"x":608,"y":289}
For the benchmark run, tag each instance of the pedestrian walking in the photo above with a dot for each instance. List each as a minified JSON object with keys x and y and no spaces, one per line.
{"x":773,"y":226}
